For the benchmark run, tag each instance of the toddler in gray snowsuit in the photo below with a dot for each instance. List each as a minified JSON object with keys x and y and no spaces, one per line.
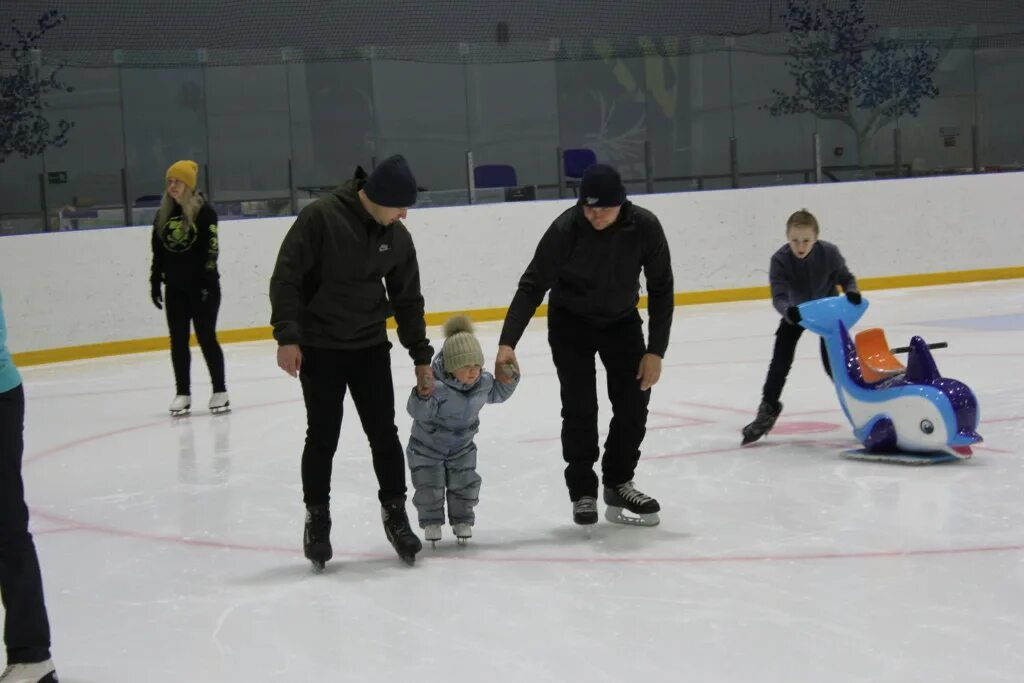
{"x":441,"y":452}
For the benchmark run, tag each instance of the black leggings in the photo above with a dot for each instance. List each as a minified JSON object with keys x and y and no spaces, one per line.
{"x":185,"y":308}
{"x":786,"y":338}
{"x":26,"y":628}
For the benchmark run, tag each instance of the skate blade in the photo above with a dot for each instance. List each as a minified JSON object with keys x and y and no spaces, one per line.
{"x":181,"y":413}
{"x":318,"y":566}
{"x":900,"y":458}
{"x":752,"y":438}
{"x":408,"y":559}
{"x":463,"y":540}
{"x":221,"y":411}
{"x":617,"y":515}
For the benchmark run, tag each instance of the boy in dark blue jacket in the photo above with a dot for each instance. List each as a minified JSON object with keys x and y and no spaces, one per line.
{"x":804,"y":269}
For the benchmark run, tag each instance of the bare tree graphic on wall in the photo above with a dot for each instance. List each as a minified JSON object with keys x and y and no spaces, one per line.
{"x":24,"y":85}
{"x":844,"y":71}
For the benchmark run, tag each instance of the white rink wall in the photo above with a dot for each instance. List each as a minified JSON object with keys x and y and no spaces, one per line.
{"x":74,"y":288}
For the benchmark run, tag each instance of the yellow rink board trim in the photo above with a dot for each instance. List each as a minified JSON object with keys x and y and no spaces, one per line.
{"x":117,"y":348}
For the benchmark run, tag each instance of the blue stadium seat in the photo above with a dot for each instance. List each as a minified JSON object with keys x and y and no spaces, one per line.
{"x":575,"y":162}
{"x":494,"y":175}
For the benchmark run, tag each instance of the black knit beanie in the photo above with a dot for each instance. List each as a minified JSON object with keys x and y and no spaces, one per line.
{"x":602,"y":186}
{"x":392,"y":184}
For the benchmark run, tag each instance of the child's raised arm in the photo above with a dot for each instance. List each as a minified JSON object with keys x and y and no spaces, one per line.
{"x":501,"y":391}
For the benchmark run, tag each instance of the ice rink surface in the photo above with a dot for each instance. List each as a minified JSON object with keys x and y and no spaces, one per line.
{"x":171,"y":548}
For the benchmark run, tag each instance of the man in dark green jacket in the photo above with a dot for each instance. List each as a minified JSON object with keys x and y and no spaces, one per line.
{"x":345,"y":266}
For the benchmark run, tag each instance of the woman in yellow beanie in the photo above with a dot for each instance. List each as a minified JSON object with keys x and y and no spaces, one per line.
{"x":185,"y":253}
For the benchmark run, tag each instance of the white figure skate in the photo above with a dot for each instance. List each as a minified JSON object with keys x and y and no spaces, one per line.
{"x":219,"y":403}
{"x":180,"y":406}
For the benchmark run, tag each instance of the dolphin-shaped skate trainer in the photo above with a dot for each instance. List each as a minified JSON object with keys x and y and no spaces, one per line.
{"x":916,"y":411}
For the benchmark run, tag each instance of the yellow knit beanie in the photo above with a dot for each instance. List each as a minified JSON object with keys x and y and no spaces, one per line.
{"x":185,"y":170}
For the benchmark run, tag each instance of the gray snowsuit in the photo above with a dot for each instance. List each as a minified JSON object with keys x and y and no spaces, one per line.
{"x":441,"y":452}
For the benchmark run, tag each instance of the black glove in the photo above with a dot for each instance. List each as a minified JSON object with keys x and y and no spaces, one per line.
{"x":793,"y":315}
{"x":853,"y":296}
{"x":156,"y":295}
{"x":209,"y":284}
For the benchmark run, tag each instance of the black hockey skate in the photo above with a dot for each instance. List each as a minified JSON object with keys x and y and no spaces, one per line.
{"x":398,"y":531}
{"x":316,"y":539}
{"x":625,"y":497}
{"x":584,"y":510}
{"x":762,"y":424}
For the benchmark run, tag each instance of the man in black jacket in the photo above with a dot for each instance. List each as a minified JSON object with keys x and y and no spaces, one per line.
{"x":346,"y":264}
{"x":590,"y":258}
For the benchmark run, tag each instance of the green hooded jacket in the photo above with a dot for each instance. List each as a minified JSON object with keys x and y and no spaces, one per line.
{"x":340,"y":274}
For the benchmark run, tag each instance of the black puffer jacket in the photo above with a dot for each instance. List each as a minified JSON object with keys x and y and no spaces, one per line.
{"x":595,"y":274}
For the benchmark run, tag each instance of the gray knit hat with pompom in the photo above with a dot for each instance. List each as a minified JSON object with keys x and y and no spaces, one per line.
{"x":460,"y":348}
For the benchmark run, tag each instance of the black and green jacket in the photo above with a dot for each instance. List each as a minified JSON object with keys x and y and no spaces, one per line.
{"x":340,"y":275}
{"x":185,"y":256}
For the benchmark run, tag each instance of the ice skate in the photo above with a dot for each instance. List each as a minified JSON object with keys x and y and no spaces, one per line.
{"x":626,"y":498}
{"x":762,"y":424}
{"x":463,"y":532}
{"x":584,"y":510}
{"x":316,"y":539}
{"x":432,"y":532}
{"x":181,"y":405}
{"x":398,"y":531}
{"x":38,"y":672}
{"x":219,"y":403}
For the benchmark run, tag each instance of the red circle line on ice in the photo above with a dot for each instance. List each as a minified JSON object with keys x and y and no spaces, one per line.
{"x":65,"y":524}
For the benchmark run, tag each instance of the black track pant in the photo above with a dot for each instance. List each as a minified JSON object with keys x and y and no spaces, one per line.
{"x":326,"y":374}
{"x":786,"y":338}
{"x":574,"y":345}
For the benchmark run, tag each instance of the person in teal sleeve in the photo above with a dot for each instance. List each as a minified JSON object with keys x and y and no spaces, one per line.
{"x":26,"y":626}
